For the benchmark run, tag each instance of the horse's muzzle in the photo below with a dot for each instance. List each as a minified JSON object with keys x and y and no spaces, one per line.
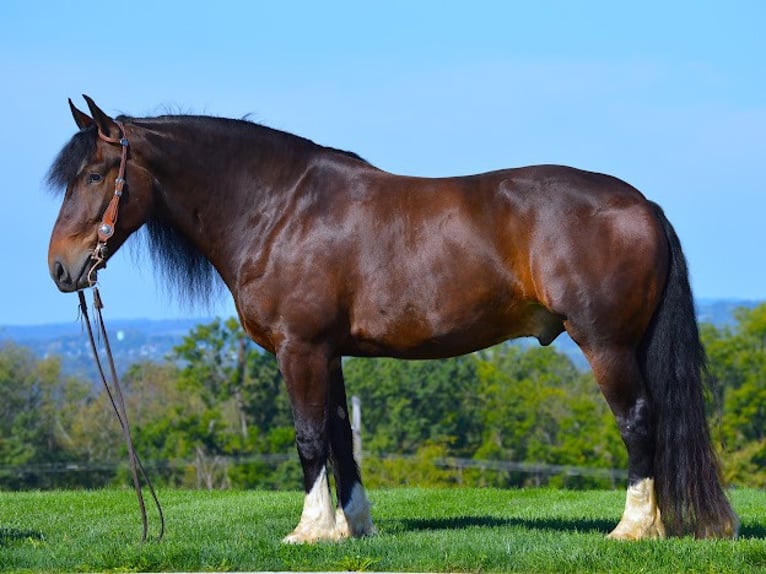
{"x":66,"y":280}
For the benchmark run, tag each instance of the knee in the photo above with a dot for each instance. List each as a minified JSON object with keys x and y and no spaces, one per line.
{"x":312,"y":446}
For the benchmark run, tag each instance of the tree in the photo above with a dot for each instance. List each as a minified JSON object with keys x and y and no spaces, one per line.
{"x":37,"y":406}
{"x":215,"y":357}
{"x":539,"y":408}
{"x":246,"y":407}
{"x":737,"y":369}
{"x":206,"y":418}
{"x":410,"y":403}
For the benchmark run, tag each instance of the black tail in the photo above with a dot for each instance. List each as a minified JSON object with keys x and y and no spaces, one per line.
{"x":687,"y":471}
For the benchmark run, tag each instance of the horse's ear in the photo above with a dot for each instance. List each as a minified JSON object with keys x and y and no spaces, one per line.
{"x":106,"y":125}
{"x":82,"y":119}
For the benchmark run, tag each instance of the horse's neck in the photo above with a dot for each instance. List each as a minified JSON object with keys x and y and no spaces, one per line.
{"x":221,"y":201}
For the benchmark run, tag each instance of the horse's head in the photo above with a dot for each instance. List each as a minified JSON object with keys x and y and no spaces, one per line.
{"x":108,"y":196}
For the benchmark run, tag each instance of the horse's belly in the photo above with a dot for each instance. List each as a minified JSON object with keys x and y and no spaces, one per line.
{"x":441,"y":332}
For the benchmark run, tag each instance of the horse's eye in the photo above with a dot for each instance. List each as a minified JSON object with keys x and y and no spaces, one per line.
{"x":95,"y":178}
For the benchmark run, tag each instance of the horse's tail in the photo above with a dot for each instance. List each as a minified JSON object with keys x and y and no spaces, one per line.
{"x":686,"y":467}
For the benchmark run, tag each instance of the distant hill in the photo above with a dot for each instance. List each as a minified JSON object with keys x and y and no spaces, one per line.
{"x":152,"y":340}
{"x":720,"y":312}
{"x":131,"y":341}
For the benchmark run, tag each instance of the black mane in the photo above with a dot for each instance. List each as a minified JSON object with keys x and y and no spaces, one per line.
{"x":186,"y":272}
{"x":286,"y":139}
{"x":82,"y":145}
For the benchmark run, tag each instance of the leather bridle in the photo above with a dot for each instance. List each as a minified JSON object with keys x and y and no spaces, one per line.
{"x":114,"y":391}
{"x":109,"y":218}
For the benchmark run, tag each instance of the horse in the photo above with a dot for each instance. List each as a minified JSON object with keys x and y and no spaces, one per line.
{"x":328,"y":256}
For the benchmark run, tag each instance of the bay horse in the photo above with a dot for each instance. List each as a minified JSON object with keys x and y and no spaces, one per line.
{"x":328,"y":256}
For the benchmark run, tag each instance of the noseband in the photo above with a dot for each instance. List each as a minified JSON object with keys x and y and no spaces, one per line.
{"x":109,"y":218}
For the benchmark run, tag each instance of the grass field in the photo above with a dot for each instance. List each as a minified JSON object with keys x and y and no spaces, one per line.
{"x":420,"y":530}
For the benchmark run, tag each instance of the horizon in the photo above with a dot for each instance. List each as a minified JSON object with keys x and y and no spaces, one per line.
{"x":76,"y":322}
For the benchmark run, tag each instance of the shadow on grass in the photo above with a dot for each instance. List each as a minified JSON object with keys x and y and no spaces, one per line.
{"x":10,"y":535}
{"x":458,"y":522}
{"x":747,"y":530}
{"x":757,"y":530}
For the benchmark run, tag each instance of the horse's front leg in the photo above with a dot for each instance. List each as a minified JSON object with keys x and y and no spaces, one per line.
{"x":353,"y":513}
{"x":306,"y":371}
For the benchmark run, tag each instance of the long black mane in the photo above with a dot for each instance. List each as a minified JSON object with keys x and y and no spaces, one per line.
{"x":186,"y":272}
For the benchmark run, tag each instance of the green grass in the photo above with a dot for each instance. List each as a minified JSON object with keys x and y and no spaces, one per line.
{"x":420,"y":530}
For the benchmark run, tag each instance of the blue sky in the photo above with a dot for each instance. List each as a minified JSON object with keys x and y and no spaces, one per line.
{"x":669,"y":96}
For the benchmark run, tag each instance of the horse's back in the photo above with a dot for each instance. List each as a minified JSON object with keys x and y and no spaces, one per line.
{"x":442,"y":266}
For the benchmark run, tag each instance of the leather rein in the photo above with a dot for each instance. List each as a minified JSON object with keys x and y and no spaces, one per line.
{"x":114,"y":390}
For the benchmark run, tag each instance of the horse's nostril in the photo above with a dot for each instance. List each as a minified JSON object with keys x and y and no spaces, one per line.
{"x":60,"y":274}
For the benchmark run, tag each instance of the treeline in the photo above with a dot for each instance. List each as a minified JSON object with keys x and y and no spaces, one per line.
{"x":216,"y":415}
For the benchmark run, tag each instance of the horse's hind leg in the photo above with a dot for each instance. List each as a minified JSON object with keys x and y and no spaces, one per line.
{"x":353,"y":513}
{"x":619,"y":377}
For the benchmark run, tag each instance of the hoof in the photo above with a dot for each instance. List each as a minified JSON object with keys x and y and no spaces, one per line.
{"x":321,"y":523}
{"x":641,"y":519}
{"x":360,"y":526}
{"x":307,"y":535}
{"x":355,"y":517}
{"x":628,"y":530}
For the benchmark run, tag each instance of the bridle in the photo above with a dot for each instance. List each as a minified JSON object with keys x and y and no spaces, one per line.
{"x":114,"y":391}
{"x":109,"y":218}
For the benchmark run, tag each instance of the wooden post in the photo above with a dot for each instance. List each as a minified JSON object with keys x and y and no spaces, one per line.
{"x":356,"y":428}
